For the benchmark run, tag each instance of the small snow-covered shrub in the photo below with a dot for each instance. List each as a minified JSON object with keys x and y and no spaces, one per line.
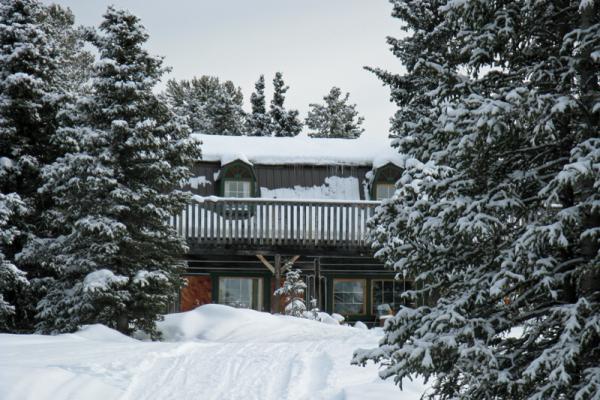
{"x":293,"y":289}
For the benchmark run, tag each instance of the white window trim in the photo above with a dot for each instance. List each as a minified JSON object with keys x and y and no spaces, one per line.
{"x":242,"y":188}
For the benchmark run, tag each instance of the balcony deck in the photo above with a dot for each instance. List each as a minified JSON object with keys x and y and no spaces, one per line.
{"x":274,"y":225}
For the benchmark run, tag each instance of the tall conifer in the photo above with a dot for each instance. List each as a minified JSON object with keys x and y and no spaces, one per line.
{"x":33,"y":90}
{"x":497,"y":216}
{"x":336,"y":118}
{"x":283,"y":122}
{"x":118,"y":259}
{"x":259,"y":122}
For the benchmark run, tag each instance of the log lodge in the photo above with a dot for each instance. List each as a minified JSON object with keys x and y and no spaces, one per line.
{"x":262,"y":205}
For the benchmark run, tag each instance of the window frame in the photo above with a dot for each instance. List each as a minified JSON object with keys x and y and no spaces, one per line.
{"x":373,"y":304}
{"x":227,"y":181}
{"x":388,"y":186}
{"x":260,"y":306}
{"x":363,"y":282}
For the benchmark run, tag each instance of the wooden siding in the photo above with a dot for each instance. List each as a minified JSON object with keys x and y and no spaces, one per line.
{"x":197,"y":292}
{"x":283,"y":176}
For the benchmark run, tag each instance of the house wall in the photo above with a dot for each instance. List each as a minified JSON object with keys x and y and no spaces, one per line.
{"x":280,"y":176}
{"x":197,"y":292}
{"x":211,"y":268}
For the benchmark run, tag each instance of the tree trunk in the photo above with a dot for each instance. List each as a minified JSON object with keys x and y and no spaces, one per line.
{"x":123,"y":323}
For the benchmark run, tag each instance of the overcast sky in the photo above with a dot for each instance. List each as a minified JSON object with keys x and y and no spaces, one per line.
{"x":317,"y":44}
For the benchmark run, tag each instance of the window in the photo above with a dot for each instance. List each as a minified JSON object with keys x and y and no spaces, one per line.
{"x":388,"y":292}
{"x":349,"y":296}
{"x":241,"y":292}
{"x":384,"y":191}
{"x":235,"y":188}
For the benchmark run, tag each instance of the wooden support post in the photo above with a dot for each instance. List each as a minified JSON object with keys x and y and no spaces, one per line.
{"x":318,"y":296}
{"x":266,"y":263}
{"x":277,"y":267}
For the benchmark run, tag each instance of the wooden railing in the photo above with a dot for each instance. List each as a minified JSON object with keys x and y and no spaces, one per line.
{"x":267,"y":222}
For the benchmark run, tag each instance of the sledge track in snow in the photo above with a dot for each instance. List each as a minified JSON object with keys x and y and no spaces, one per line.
{"x":291,"y":371}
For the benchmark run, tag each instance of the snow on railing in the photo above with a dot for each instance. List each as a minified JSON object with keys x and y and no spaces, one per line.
{"x":254,"y":221}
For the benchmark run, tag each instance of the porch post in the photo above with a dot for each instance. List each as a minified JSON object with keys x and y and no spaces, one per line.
{"x":277,"y":267}
{"x":318,"y":296}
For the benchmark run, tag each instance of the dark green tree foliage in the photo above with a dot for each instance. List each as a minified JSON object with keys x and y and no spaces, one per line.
{"x":258,"y":123}
{"x":336,"y":118}
{"x":32,"y":81}
{"x":12,"y":279}
{"x":68,"y":41}
{"x":283,"y":122}
{"x":208,"y":105}
{"x":28,"y":99}
{"x":118,"y":259}
{"x":498,"y":209}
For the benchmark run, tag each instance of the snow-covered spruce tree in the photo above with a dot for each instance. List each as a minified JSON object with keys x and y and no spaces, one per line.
{"x":118,"y":260}
{"x":258,"y":123}
{"x":497,"y":215}
{"x":283,"y":122}
{"x":33,"y":81}
{"x":336,"y":118}
{"x":208,"y":105}
{"x":225,"y":111}
{"x":183,"y":101}
{"x":292,"y":290}
{"x":68,"y":42}
{"x":11,"y":277}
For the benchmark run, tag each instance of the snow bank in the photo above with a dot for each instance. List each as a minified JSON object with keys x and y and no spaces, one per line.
{"x":216,"y":352}
{"x":299,"y":149}
{"x":102,"y":333}
{"x":222,"y":323}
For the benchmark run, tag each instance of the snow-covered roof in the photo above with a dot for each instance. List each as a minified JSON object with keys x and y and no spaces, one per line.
{"x":300,"y":149}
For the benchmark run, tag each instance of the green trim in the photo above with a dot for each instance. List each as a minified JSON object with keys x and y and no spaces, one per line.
{"x":254,"y":188}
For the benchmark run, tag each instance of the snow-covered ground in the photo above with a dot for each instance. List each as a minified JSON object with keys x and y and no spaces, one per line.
{"x":213,"y":352}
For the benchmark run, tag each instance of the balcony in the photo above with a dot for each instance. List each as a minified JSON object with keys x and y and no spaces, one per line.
{"x":263,"y":225}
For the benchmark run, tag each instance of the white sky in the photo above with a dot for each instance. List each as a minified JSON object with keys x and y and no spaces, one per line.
{"x":317,"y":44}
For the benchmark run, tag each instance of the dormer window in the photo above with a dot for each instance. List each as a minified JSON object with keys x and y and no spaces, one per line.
{"x":238,"y":180}
{"x":383,"y":181}
{"x":384,"y":191}
{"x":236,"y":188}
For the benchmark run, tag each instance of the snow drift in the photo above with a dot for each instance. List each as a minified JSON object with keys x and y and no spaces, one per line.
{"x":212,"y":352}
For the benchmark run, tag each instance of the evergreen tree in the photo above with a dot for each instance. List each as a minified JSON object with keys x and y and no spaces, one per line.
{"x":336,"y":118}
{"x":259,"y":122}
{"x":34,"y":66}
{"x":117,"y":261}
{"x":209,"y":106}
{"x":293,"y":290}
{"x":497,"y":216}
{"x":283,"y":122}
{"x":11,"y":277}
{"x":68,"y":42}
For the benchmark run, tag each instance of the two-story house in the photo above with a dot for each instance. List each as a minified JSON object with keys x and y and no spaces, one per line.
{"x":265,"y":204}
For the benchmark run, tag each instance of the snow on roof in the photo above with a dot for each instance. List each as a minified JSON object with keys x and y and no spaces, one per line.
{"x":300,"y":149}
